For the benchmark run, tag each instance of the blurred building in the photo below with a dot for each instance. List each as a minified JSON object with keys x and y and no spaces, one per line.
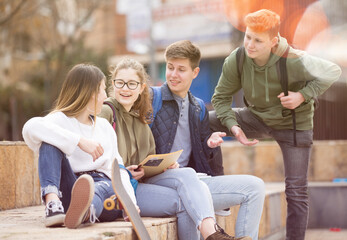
{"x":143,"y":28}
{"x":146,"y":27}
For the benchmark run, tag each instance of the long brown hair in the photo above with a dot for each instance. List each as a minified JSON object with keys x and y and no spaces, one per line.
{"x":81,"y":83}
{"x":143,"y":103}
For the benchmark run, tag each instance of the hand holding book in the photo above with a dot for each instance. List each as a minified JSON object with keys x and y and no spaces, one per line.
{"x":157,"y":163}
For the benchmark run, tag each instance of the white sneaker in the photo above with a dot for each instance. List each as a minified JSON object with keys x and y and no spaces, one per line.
{"x":55,"y":215}
{"x":223,"y":212}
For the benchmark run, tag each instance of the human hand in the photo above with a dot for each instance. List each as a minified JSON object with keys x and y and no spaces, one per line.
{"x":93,"y":148}
{"x":215,"y":139}
{"x":293,"y":100}
{"x":136,"y":171}
{"x":173,"y":166}
{"x":241,"y":137}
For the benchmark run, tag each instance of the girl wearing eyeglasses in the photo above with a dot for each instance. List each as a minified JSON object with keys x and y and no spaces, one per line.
{"x":177,"y":191}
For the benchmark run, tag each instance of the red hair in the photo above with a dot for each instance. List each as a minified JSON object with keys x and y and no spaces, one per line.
{"x":264,"y":21}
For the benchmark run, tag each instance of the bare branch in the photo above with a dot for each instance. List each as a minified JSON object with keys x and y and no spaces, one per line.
{"x":7,"y":18}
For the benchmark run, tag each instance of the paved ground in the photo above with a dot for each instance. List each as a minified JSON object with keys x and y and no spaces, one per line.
{"x":324,"y":234}
{"x":27,"y":223}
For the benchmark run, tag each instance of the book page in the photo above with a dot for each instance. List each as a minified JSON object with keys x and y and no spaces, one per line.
{"x":156,"y":163}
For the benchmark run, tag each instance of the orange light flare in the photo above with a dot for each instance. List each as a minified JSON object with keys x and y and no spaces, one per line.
{"x":312,"y":23}
{"x":236,"y":10}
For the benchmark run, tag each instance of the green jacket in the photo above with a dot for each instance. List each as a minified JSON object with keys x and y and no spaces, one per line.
{"x":134,"y":138}
{"x":309,"y":75}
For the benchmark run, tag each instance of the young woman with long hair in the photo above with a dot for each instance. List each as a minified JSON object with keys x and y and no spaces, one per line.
{"x":76,"y":151}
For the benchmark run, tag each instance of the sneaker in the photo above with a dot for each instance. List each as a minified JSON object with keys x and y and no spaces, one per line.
{"x":221,"y":235}
{"x":89,"y":216}
{"x":81,"y":197}
{"x":55,"y":215}
{"x":224,"y":212}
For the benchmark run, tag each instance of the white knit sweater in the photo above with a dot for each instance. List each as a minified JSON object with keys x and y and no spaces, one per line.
{"x":65,"y":132}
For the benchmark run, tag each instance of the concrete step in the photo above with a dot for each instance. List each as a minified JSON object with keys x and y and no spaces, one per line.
{"x":19,"y":188}
{"x":27,"y":223}
{"x":314,"y":234}
{"x":274,"y":213}
{"x":326,"y":234}
{"x":264,"y":160}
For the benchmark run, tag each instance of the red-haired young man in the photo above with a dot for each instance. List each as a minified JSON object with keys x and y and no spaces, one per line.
{"x":270,"y":112}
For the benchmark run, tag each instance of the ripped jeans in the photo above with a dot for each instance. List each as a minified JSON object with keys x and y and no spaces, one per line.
{"x":56,"y":176}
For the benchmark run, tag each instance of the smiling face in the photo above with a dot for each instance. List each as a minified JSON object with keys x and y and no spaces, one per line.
{"x":124,"y":95}
{"x":179,"y":75}
{"x":258,"y":46}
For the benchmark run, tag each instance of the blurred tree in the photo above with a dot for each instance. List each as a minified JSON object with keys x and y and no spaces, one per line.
{"x":39,"y":41}
{"x":9,"y":9}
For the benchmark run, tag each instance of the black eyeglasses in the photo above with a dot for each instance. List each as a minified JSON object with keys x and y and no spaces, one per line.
{"x":119,"y":83}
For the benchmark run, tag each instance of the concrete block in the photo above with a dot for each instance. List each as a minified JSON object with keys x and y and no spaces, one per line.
{"x":19,"y":183}
{"x":329,"y":160}
{"x":228,"y":222}
{"x":269,"y":162}
{"x":264,"y":160}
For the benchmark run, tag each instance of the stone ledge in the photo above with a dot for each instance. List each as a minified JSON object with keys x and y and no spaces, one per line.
{"x":274,"y":214}
{"x":19,"y":181}
{"x":27,"y":223}
{"x":19,"y":187}
{"x":19,"y":175}
{"x":264,"y":160}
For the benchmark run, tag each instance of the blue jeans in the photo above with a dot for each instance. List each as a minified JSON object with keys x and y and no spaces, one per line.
{"x":56,"y":176}
{"x":193,"y":199}
{"x":154,"y":200}
{"x":244,"y":190}
{"x":295,"y":158}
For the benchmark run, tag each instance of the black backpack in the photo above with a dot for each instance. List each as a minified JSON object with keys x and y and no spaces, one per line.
{"x":281,"y":67}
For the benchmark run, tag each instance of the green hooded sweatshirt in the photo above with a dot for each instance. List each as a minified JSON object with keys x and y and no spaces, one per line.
{"x":309,"y":75}
{"x":134,"y":138}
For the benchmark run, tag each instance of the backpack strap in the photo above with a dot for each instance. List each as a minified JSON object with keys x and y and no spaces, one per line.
{"x":281,"y":67}
{"x":240,"y":58}
{"x":114,"y":114}
{"x":202,"y":106}
{"x":156,"y":102}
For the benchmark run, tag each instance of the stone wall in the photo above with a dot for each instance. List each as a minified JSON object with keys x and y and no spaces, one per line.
{"x":328,"y":161}
{"x":19,"y":182}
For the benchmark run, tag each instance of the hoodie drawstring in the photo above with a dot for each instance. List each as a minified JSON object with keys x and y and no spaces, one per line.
{"x":266,"y":86}
{"x":252,"y":79}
